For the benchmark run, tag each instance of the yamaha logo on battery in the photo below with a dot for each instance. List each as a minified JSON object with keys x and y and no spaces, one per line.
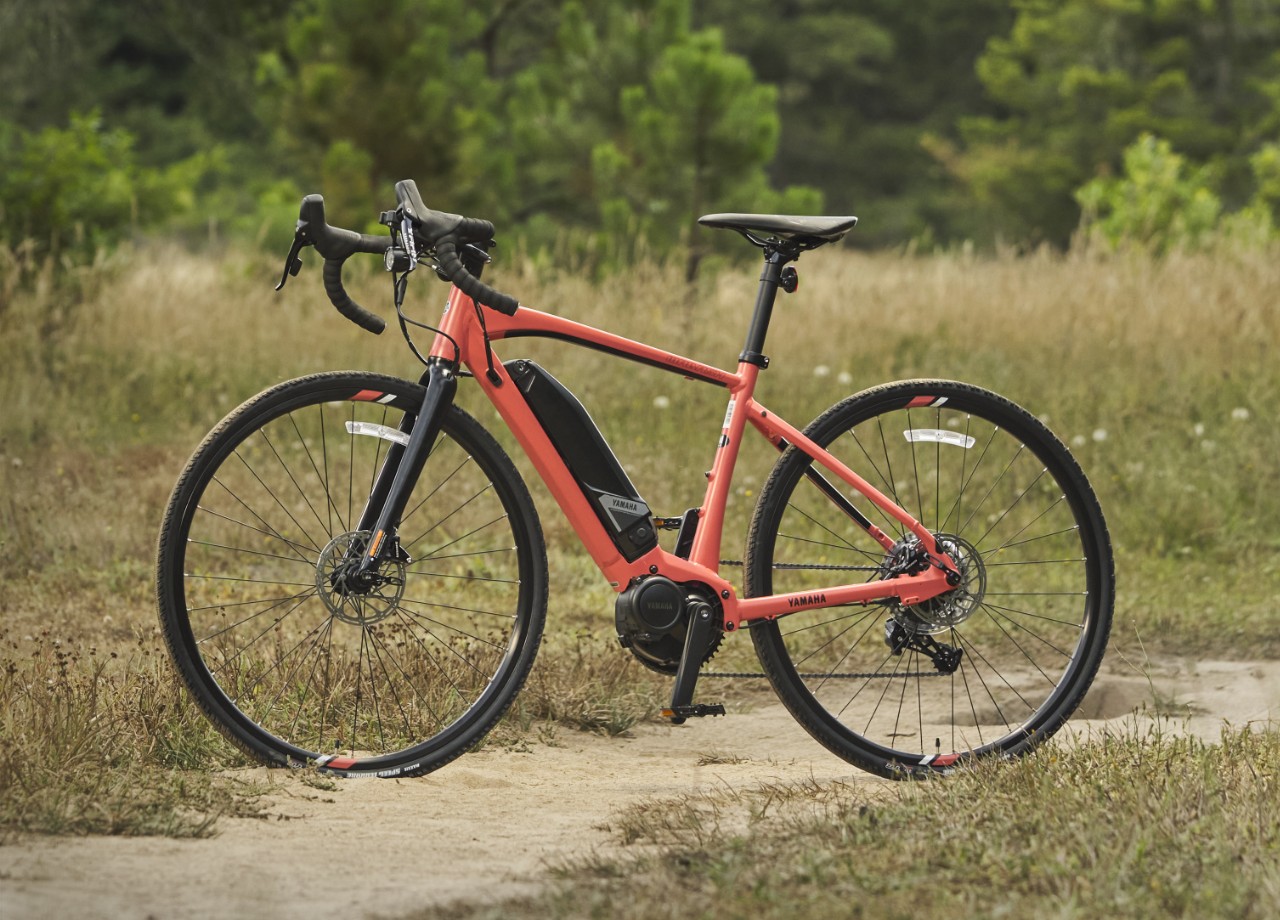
{"x":616,"y":505}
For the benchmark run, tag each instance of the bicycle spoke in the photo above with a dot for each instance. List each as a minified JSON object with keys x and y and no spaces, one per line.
{"x":276,"y":498}
{"x":999,"y":642}
{"x":292,"y":544}
{"x":298,"y":597}
{"x":442,"y":520}
{"x":289,"y":473}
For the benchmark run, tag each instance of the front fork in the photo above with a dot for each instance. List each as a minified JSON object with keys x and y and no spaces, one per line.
{"x":403,"y":465}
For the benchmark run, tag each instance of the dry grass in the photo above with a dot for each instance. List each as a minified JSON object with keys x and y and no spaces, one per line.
{"x":1134,"y":826}
{"x":1161,"y":375}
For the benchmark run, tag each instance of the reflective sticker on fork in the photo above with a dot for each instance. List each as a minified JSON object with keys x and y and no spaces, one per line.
{"x":936,"y":434}
{"x":378,"y":431}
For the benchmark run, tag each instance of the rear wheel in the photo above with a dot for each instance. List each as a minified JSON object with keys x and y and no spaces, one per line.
{"x":396,"y":676}
{"x":992,"y":667}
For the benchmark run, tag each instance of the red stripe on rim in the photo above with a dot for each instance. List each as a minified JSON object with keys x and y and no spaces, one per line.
{"x":367,"y":396}
{"x":921,"y":401}
{"x":341,"y":763}
{"x":944,"y":760}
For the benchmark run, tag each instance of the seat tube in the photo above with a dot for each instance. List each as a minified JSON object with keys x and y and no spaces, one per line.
{"x":706,"y":542}
{"x":753,"y":350}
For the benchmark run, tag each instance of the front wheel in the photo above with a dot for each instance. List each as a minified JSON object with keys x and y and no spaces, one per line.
{"x":991,"y":668}
{"x":397,"y":676}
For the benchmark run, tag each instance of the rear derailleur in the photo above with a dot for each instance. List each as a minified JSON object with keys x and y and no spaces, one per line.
{"x":899,"y":638}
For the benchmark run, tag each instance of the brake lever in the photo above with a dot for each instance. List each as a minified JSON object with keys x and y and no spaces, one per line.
{"x":476,"y":252}
{"x":292,"y":264}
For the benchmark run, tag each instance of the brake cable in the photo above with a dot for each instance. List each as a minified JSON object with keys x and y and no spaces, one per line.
{"x":491,"y":373}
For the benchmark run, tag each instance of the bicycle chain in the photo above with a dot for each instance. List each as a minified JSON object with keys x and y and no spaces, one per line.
{"x":815,"y":566}
{"x":845,"y":676}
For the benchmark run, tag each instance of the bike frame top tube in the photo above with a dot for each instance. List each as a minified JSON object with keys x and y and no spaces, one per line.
{"x":461,"y":325}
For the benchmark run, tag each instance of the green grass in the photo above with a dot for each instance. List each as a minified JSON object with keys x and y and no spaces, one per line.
{"x":1134,"y":826}
{"x":1160,"y":374}
{"x":97,"y":742}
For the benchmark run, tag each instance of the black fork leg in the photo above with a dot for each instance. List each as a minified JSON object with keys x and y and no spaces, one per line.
{"x":403,"y":465}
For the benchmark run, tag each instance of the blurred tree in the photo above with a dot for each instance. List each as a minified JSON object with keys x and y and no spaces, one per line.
{"x":1078,"y":81}
{"x":697,"y":136}
{"x":861,"y":83}
{"x":622,"y":119}
{"x":175,"y":75}
{"x":1161,"y":202}
{"x":45,"y":197}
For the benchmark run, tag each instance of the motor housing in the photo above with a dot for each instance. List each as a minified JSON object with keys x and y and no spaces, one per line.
{"x":652,"y":618}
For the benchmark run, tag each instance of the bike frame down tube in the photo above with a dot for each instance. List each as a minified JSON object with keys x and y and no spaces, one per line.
{"x":461,"y":325}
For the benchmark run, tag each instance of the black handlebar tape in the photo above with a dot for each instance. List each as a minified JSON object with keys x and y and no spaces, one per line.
{"x":469,"y":284}
{"x":339,"y":297}
{"x":335,"y":242}
{"x":474,"y":230}
{"x":336,"y":245}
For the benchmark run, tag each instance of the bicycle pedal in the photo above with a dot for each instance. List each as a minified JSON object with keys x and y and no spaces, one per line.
{"x":696,"y":711}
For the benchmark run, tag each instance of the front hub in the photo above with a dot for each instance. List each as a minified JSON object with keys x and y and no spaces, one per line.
{"x":358,"y":598}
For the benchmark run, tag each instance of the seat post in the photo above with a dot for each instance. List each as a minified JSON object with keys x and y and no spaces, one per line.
{"x":775,"y":257}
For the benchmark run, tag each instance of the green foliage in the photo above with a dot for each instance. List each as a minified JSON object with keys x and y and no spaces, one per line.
{"x":861,"y":86}
{"x":696,"y":137}
{"x":363,"y":105}
{"x":625,"y":120}
{"x":74,"y":192}
{"x":1157,"y":203}
{"x":601,"y":128}
{"x":1079,"y":81}
{"x":43,"y":190}
{"x":1161,"y":203}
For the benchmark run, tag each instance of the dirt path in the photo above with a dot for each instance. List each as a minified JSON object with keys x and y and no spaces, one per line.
{"x":489,"y":825}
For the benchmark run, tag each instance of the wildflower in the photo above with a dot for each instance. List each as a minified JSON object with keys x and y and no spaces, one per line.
{"x":661,"y":402}
{"x":1099,"y":434}
{"x":1078,"y":441}
{"x":844,"y":377}
{"x":1240,"y":414}
{"x":821,"y":370}
{"x":1198,"y":429}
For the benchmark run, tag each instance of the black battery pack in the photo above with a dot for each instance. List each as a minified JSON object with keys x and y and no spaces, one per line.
{"x":585,"y":452}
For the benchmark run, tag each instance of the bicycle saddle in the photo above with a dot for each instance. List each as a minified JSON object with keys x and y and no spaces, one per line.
{"x":784,"y":226}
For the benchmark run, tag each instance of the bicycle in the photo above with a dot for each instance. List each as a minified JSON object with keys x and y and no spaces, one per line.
{"x":352,"y":575}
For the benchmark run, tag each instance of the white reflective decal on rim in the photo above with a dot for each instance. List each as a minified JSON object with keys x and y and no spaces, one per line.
{"x":940,"y":436}
{"x":378,"y":431}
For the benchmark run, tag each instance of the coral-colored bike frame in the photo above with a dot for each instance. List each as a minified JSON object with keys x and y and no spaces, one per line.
{"x":461,"y":324}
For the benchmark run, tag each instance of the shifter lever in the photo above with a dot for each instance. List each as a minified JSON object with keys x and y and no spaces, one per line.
{"x":292,"y":264}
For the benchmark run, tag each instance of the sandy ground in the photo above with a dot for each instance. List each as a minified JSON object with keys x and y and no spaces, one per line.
{"x":491,"y":824}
